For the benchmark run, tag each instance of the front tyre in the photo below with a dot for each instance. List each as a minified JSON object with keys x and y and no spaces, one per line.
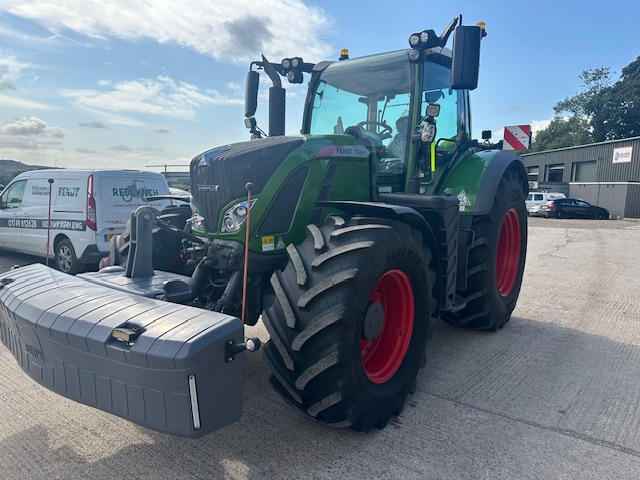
{"x":496,"y":260}
{"x":349,"y":321}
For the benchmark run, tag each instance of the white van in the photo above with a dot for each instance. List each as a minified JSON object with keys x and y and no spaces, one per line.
{"x":88,"y":207}
{"x":535,"y":199}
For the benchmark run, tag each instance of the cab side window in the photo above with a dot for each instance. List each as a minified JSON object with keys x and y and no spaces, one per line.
{"x":13,"y":194}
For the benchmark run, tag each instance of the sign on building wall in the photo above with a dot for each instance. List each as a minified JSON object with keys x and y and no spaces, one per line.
{"x":622,"y":154}
{"x":517,"y":137}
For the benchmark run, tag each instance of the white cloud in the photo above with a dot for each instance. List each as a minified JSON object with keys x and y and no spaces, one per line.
{"x":10,"y":70}
{"x":229,"y":31}
{"x":537,"y":125}
{"x":120,"y":148}
{"x":31,"y":126}
{"x":161,"y":96}
{"x":9,"y":101}
{"x":17,"y":143}
{"x":94,"y":124}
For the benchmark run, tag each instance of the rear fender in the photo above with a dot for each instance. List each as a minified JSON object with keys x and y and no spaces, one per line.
{"x":476,"y":176}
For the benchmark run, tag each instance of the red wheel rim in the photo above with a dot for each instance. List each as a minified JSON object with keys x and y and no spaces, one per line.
{"x":508,"y":252}
{"x":382,"y":357}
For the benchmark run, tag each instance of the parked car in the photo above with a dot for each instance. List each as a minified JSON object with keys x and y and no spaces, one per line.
{"x":535,"y":199}
{"x":573,"y":208}
{"x":535,"y":210}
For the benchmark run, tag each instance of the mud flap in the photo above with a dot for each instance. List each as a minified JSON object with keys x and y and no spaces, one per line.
{"x":158,"y":364}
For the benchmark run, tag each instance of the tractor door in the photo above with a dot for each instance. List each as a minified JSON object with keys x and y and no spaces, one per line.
{"x":452,"y":124}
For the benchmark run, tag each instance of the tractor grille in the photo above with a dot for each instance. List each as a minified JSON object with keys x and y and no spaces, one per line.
{"x":221,"y":174}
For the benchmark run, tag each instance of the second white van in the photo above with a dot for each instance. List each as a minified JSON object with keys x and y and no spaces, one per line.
{"x":70,"y":215}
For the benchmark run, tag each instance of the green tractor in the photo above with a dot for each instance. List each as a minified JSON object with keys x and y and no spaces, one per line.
{"x":348,"y":240}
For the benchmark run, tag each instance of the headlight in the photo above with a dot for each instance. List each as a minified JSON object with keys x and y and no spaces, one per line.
{"x":197,"y":222}
{"x":234,"y":218}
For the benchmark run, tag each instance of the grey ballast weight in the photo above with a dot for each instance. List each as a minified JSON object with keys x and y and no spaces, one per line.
{"x":171,"y":374}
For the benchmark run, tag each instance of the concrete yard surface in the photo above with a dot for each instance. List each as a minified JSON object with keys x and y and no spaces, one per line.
{"x":555,"y":394}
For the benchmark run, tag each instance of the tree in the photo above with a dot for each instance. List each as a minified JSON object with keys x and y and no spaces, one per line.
{"x":585,"y":103}
{"x":617,"y":114}
{"x":576,"y":128}
{"x":562,"y":132}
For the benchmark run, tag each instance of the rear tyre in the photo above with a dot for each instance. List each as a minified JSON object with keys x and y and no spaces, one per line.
{"x":496,"y":260}
{"x":66,"y":259}
{"x":559,"y":214}
{"x":349,"y":321}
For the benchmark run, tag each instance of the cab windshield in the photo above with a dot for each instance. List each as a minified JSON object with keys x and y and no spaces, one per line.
{"x":375,"y":90}
{"x":375,"y":93}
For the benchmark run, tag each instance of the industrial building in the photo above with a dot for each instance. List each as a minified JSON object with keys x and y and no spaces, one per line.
{"x":605,"y":174}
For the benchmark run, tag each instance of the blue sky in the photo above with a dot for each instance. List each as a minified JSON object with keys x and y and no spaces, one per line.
{"x":128,"y":84}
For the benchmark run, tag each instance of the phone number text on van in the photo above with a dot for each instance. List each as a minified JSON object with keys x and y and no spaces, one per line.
{"x":22,"y":223}
{"x":44,"y":224}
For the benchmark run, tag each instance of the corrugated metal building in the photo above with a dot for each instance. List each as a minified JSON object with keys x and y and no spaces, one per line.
{"x":605,"y":174}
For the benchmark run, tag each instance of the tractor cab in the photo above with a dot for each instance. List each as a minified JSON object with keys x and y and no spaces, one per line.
{"x":410,"y":108}
{"x":383,"y":101}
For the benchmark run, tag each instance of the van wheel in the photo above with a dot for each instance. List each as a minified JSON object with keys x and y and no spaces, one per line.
{"x":66,"y":258}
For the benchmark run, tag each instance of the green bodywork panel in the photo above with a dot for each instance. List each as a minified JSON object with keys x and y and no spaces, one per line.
{"x":466,"y":176}
{"x":341,"y":157}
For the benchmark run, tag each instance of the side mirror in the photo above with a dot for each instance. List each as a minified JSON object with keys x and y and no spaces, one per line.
{"x":486,"y":135}
{"x":465,"y":64}
{"x":251,"y":93}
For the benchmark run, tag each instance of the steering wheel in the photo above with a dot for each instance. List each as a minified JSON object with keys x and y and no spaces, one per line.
{"x":386,"y":129}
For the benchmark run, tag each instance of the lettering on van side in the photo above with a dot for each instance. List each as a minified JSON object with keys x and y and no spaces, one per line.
{"x":42,"y":191}
{"x":68,"y":191}
{"x":130,"y":192}
{"x":37,"y":224}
